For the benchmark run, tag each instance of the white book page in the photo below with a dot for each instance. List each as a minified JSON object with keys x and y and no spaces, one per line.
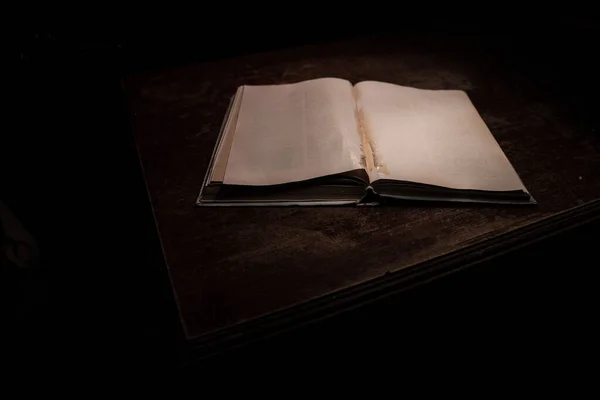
{"x":435,"y":137}
{"x":294,"y":132}
{"x":220,"y":165}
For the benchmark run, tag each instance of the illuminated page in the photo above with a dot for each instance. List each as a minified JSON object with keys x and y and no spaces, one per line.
{"x":434,"y":137}
{"x":220,"y":165}
{"x":294,"y":132}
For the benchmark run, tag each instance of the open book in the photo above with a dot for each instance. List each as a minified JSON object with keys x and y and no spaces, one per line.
{"x":325,"y":141}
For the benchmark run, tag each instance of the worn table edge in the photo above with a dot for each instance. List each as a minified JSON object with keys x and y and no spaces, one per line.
{"x":308,"y":312}
{"x":163,"y":266}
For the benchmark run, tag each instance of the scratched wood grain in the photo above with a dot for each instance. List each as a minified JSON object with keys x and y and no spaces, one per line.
{"x":228,"y":265}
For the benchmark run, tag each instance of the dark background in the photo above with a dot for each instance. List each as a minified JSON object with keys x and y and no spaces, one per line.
{"x":70,"y":173}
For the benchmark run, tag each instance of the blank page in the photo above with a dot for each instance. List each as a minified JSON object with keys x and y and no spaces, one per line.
{"x":220,"y":165}
{"x":294,"y":132}
{"x":434,"y":137}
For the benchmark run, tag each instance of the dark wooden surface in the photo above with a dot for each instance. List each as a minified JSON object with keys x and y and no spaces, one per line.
{"x":233,"y":265}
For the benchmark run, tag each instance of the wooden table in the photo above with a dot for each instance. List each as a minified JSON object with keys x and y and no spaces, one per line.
{"x":240,"y":273}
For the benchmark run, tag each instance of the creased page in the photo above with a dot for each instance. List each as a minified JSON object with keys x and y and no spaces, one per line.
{"x":434,"y":137}
{"x":294,"y":132}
